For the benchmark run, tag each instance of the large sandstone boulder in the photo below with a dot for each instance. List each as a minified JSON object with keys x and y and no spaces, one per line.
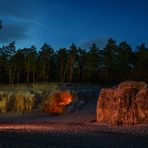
{"x":125,"y":104}
{"x":60,"y":102}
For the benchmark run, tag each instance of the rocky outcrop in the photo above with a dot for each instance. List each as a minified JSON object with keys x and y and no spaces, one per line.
{"x":125,"y":104}
{"x":18,"y":101}
{"x":48,"y":101}
{"x":24,"y":101}
{"x":6,"y":101}
{"x":60,"y":102}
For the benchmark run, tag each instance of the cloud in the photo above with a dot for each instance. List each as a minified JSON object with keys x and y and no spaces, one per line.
{"x":100,"y":42}
{"x":19,"y":20}
{"x":12,"y":32}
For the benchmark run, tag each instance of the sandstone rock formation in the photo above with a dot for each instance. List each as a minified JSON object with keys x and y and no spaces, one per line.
{"x":24,"y":101}
{"x":23,"y":98}
{"x":18,"y":101}
{"x":125,"y":104}
{"x":60,"y":102}
{"x":6,"y":101}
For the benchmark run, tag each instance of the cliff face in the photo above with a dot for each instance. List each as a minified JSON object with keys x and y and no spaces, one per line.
{"x":125,"y":104}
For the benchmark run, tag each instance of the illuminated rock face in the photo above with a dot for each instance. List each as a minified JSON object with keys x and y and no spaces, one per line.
{"x":6,"y":102}
{"x":125,"y":104}
{"x":16,"y":101}
{"x":60,"y":102}
{"x":24,"y":102}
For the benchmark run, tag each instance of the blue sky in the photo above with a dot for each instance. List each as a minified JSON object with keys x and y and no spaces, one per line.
{"x":61,"y":22}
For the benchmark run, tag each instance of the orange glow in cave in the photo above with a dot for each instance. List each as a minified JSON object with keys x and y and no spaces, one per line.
{"x":65,"y":98}
{"x":57,"y":102}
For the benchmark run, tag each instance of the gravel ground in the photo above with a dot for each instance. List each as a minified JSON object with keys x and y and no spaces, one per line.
{"x":70,"y":135}
{"x":68,"y":131}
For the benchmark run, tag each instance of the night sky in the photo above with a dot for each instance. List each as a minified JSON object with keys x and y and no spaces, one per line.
{"x":61,"y":22}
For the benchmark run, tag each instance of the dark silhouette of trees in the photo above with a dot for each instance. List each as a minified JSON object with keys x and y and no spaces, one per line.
{"x":110,"y":61}
{"x":112,"y":64}
{"x":19,"y":62}
{"x":11,"y":67}
{"x":81,"y":71}
{"x":124,"y":62}
{"x":45,"y":62}
{"x":7,"y":62}
{"x":92,"y":64}
{"x":142,"y":63}
{"x":71,"y":63}
{"x":61,"y":60}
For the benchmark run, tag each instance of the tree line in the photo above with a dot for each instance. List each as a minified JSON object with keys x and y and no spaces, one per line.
{"x":112,"y":64}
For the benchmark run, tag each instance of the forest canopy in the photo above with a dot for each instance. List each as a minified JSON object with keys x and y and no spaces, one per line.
{"x":112,"y":64}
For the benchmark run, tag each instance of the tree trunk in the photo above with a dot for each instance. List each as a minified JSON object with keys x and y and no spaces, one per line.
{"x":47,"y":73}
{"x":71,"y":72}
{"x":33,"y":76}
{"x":61,"y":72}
{"x":10,"y":74}
{"x":28,"y":72}
{"x":66,"y":68}
{"x":18,"y":76}
{"x":28,"y":77}
{"x":13,"y":77}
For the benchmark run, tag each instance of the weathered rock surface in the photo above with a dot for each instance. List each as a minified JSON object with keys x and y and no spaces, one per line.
{"x":125,"y":104}
{"x":6,"y":101}
{"x":60,"y":102}
{"x":28,"y":97}
{"x":24,"y":102}
{"x":18,"y":101}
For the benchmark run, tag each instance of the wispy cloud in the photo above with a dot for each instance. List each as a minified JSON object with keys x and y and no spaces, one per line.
{"x":21,"y":20}
{"x":12,"y":32}
{"x":18,"y":19}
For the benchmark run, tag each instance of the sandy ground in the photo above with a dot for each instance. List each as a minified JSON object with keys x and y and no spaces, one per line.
{"x":79,"y":129}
